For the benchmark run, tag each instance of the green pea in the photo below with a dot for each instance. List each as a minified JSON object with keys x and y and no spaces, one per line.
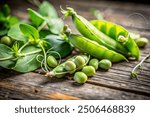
{"x":94,"y":62}
{"x":80,"y":77}
{"x":79,"y":61}
{"x":6,"y":40}
{"x":59,"y":72}
{"x":70,"y":66}
{"x":141,"y":42}
{"x":89,"y":70}
{"x":51,"y":61}
{"x":122,"y":39}
{"x":105,"y":64}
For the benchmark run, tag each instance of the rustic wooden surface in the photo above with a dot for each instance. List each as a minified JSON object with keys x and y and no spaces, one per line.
{"x":115,"y":84}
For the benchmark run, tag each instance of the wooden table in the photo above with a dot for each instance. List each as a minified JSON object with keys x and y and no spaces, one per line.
{"x":115,"y":84}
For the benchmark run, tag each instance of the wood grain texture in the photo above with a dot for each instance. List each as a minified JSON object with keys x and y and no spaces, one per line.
{"x":114,"y":84}
{"x":36,"y":86}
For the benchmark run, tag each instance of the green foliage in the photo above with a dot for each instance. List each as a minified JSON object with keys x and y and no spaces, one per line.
{"x":47,"y":10}
{"x":29,"y":31}
{"x":6,"y":56}
{"x":29,"y":61}
{"x":55,"y":25}
{"x":59,"y":45}
{"x":16,"y":34}
{"x":35,"y":17}
{"x":6,"y":20}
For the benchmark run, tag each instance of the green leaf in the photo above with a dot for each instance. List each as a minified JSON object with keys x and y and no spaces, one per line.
{"x":55,"y":25}
{"x":6,"y":56}
{"x":16,"y":34}
{"x":29,"y":31}
{"x":28,"y":63}
{"x":12,"y":21}
{"x":3,"y":32}
{"x":43,"y":33}
{"x":46,"y":9}
{"x":36,"y":18}
{"x":29,"y":49}
{"x":59,"y":45}
{"x":5,"y":10}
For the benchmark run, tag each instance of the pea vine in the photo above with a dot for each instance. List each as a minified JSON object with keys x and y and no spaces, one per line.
{"x":32,"y":41}
{"x":139,"y":65}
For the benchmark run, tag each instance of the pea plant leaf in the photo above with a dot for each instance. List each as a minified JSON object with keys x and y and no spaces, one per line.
{"x":3,"y":32}
{"x":6,"y":20}
{"x":44,"y":32}
{"x":55,"y":25}
{"x":16,"y":34}
{"x":59,"y":45}
{"x":29,"y":31}
{"x":6,"y":56}
{"x":28,"y":62}
{"x":36,"y":18}
{"x":47,"y":10}
{"x":12,"y":20}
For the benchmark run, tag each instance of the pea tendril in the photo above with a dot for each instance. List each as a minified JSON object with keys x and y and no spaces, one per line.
{"x":133,"y":72}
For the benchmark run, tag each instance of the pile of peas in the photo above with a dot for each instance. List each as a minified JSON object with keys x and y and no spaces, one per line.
{"x":80,"y":66}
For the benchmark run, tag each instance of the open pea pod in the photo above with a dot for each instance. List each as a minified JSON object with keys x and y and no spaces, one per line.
{"x":91,"y":32}
{"x":118,"y":33}
{"x":94,"y":49}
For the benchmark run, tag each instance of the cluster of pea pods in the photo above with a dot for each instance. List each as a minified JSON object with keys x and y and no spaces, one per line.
{"x":102,"y":39}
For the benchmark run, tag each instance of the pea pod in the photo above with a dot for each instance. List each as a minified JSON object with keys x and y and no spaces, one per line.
{"x":94,"y":49}
{"x":117,"y":32}
{"x":91,"y":32}
{"x":63,"y":69}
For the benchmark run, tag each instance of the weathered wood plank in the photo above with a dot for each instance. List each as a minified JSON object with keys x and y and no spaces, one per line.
{"x":35,"y":86}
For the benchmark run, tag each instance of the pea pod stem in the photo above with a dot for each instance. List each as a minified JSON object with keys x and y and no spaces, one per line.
{"x":133,"y":72}
{"x":20,"y":55}
{"x":45,"y":62}
{"x":42,"y":26}
{"x":23,"y":46}
{"x":7,"y":58}
{"x":29,"y":53}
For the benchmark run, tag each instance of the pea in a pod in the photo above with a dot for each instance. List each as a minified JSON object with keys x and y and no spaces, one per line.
{"x":94,"y":49}
{"x":118,"y":33}
{"x":67,"y":67}
{"x":92,"y":33}
{"x":51,"y":61}
{"x":80,"y":62}
{"x":70,"y":66}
